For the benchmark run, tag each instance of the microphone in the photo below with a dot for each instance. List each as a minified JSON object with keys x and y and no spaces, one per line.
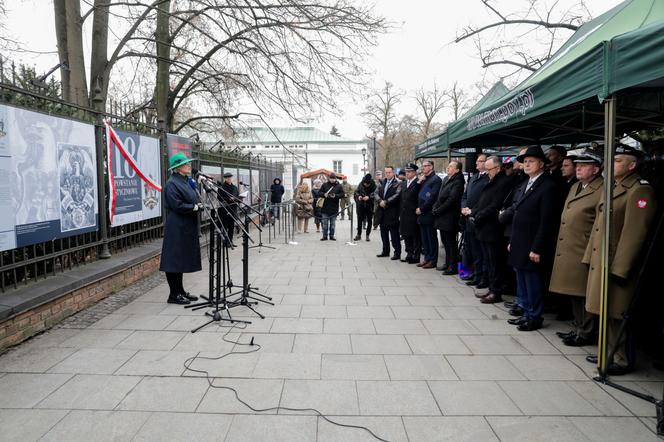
{"x":197,"y":173}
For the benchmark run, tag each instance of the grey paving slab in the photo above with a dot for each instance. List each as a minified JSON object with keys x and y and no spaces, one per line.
{"x":269,"y":342}
{"x":429,"y":300}
{"x":19,"y":390}
{"x":155,"y":363}
{"x":152,"y":340}
{"x":400,"y":326}
{"x":547,"y":368}
{"x":288,"y":366}
{"x":348,"y":300}
{"x":550,"y":398}
{"x":80,"y":425}
{"x":141,"y":308}
{"x":418,"y":368}
{"x":372,"y":312}
{"x":448,"y":428}
{"x":216,"y":364}
{"x":324,"y":311}
{"x":607,"y":405}
{"x":460,"y":312}
{"x":415,"y":312}
{"x":28,"y":425}
{"x":184,"y":426}
{"x":251,"y":428}
{"x":529,"y":428}
{"x":494,"y":345}
{"x":96,"y":338}
{"x":353,"y":367}
{"x":349,"y":326}
{"x":165,"y":394}
{"x":327,"y":396}
{"x":494,"y":327}
{"x":91,"y":392}
{"x":379,"y":344}
{"x":396,"y":398}
{"x":484,"y":368}
{"x":536,"y":344}
{"x":635,"y":405}
{"x":312,"y":344}
{"x":30,"y":359}
{"x":261,"y":394}
{"x":303,"y":299}
{"x":93,"y":361}
{"x":387,"y":300}
{"x":449,"y":327}
{"x":110,"y":321}
{"x":297,"y":325}
{"x":467,"y":398}
{"x":388,"y":428}
{"x":611,"y":429}
{"x":437,"y":344}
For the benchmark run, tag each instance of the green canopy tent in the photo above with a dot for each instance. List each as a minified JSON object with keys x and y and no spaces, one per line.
{"x":437,"y":146}
{"x":608,"y":78}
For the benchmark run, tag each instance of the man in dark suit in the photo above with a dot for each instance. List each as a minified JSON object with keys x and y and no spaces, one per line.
{"x":408,"y":227}
{"x":429,"y":188}
{"x":472,"y":255}
{"x":446,"y":212}
{"x":388,"y":197}
{"x":490,"y":231}
{"x":228,"y":196}
{"x":533,"y":238}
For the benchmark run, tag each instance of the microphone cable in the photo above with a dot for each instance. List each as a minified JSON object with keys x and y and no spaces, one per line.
{"x":256,"y":347}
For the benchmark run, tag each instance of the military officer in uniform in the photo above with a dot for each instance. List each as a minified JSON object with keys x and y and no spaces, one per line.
{"x":633,"y":211}
{"x":408,"y":227}
{"x":569,"y":276}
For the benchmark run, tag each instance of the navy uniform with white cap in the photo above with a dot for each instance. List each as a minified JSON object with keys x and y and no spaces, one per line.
{"x":634,"y":209}
{"x":408,"y":227}
{"x":570,"y":276}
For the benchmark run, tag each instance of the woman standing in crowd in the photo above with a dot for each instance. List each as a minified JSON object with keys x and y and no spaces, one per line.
{"x":181,"y":249}
{"x":304,"y":208}
{"x":317,"y":212}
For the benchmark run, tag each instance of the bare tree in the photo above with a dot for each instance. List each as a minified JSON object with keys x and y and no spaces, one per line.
{"x":457,"y":100}
{"x":430,"y":103}
{"x":541,"y":24}
{"x":381,"y":117}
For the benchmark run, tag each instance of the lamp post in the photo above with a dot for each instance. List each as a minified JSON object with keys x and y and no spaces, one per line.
{"x":364,"y":161}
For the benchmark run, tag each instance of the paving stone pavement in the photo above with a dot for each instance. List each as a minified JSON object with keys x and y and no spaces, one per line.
{"x":409,"y":353}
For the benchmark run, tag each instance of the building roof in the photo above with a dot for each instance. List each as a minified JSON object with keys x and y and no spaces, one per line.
{"x":289,"y":135}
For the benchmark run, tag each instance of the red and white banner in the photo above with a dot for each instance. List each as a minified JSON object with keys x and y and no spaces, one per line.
{"x":112,"y":140}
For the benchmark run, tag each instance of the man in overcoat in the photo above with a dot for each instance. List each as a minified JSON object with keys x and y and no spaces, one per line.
{"x":388,"y":197}
{"x":181,"y":250}
{"x":331,"y":192}
{"x":429,"y":189}
{"x":570,"y":276}
{"x":533,"y":236}
{"x":447,"y":211}
{"x":228,"y":197}
{"x":634,"y":208}
{"x":364,"y":205}
{"x":489,"y":231}
{"x":408,"y":227}
{"x":472,"y":253}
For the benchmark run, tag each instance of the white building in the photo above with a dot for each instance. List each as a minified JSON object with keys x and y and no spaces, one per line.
{"x":303,"y":149}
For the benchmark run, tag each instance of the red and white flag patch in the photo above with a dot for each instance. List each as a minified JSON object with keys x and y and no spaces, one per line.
{"x":642,"y":203}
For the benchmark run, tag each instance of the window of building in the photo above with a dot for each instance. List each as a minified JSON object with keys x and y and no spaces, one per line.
{"x":336,"y":166}
{"x":356,"y":168}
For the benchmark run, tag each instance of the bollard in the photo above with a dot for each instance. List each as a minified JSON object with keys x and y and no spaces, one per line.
{"x":351,"y":216}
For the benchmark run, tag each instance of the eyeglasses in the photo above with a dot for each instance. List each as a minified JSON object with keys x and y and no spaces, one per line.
{"x":495,"y":167}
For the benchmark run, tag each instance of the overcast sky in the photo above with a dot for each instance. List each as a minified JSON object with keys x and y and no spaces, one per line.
{"x":418,"y":52}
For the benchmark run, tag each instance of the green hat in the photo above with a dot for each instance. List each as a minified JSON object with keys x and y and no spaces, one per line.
{"x":177,"y":160}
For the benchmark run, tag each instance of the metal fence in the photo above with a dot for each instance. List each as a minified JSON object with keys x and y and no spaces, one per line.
{"x":21,"y":87}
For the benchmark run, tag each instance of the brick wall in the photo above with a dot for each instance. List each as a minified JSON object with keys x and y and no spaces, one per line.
{"x":31,"y":322}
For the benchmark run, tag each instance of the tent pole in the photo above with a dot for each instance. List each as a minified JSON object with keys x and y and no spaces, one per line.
{"x":609,"y":147}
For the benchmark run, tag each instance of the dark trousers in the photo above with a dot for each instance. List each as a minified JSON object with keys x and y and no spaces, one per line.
{"x":584,"y":322}
{"x":429,"y":243}
{"x":413,"y":245}
{"x":449,"y":240}
{"x":174,"y":284}
{"x":364,"y":215}
{"x":529,"y":284}
{"x":229,"y":226}
{"x":473,"y":256}
{"x":495,"y":255}
{"x":387,"y":233}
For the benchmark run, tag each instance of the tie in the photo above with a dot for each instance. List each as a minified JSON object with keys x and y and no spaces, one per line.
{"x":529,"y":185}
{"x":387,"y":186}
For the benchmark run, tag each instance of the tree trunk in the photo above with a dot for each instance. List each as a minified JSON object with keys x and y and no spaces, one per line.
{"x":99,"y":55}
{"x":63,"y":54}
{"x":162,"y":88}
{"x":77,"y":83}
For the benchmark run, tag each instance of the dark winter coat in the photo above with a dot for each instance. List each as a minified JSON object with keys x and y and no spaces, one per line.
{"x":471,"y":196}
{"x":181,"y":250}
{"x":317,"y":211}
{"x":229,"y":195}
{"x":409,"y":201}
{"x":506,"y":215}
{"x":534,"y":224}
{"x":389,"y":215}
{"x":331,"y":204}
{"x":429,"y":190}
{"x":447,"y":209}
{"x":276,"y":192}
{"x":361,"y":191}
{"x":484,"y":215}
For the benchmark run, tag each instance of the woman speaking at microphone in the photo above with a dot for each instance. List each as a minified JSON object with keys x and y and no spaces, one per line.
{"x":181,"y":249}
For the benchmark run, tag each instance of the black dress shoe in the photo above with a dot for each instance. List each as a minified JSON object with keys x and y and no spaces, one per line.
{"x":483,"y":285}
{"x":491,"y":298}
{"x":405,"y":260}
{"x":190,"y":297}
{"x":482,"y":295}
{"x":472,"y":282}
{"x":509,"y":304}
{"x":577,"y":341}
{"x":470,"y":277}
{"x":178,"y":299}
{"x":332,"y":238}
{"x":442,"y":268}
{"x":516,"y":311}
{"x":450,"y":271}
{"x":395,"y":257}
{"x":323,"y":239}
{"x":564,"y":335}
{"x":532,"y":325}
{"x":413,"y":261}
{"x":357,"y":238}
{"x":517,"y":321}
{"x":592,"y":359}
{"x":382,"y":255}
